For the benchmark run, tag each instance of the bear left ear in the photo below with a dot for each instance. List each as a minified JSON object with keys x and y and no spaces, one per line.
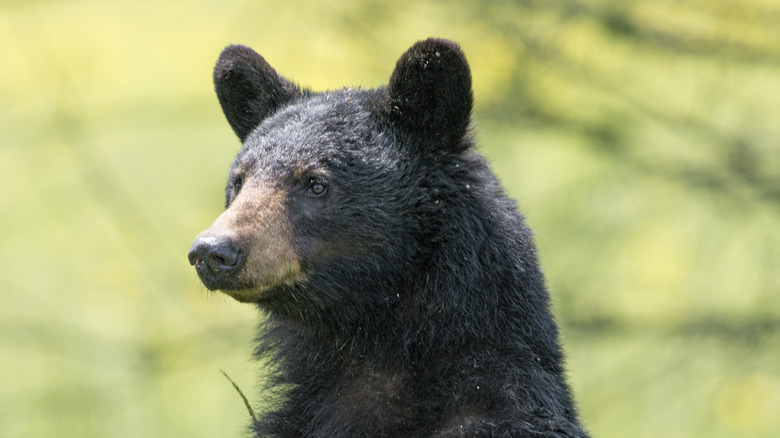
{"x":430,"y":93}
{"x":249,"y":89}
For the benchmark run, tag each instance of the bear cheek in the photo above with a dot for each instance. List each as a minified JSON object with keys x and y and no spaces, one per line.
{"x":259,"y":222}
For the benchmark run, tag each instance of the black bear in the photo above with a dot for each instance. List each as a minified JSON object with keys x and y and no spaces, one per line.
{"x":401,"y":289}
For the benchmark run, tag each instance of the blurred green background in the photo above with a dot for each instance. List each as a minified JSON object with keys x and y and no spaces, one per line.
{"x":641,"y":139}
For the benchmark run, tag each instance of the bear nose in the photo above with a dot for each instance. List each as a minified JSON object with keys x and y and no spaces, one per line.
{"x":218,"y":254}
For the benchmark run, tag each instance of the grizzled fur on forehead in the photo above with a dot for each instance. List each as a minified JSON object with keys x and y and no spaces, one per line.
{"x":316,"y":128}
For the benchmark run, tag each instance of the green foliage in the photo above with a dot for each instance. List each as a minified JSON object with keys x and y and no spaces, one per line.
{"x":640,"y":139}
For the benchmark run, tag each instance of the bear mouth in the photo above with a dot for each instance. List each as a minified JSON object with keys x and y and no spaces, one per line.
{"x":244,"y":287}
{"x":257,"y":293}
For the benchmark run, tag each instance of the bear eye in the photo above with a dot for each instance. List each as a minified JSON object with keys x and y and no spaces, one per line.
{"x":317,"y":188}
{"x":238,"y":183}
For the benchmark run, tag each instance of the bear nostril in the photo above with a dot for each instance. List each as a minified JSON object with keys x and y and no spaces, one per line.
{"x":217,"y":261}
{"x":220,"y":261}
{"x":193,"y":257}
{"x":215,"y":253}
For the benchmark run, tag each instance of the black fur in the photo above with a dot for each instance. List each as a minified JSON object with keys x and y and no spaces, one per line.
{"x":422,"y":310}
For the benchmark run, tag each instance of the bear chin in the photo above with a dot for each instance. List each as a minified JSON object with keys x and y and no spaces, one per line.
{"x":247,"y":295}
{"x":258,"y":292}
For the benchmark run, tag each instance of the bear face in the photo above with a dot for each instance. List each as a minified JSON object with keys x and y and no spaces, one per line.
{"x":315,"y":181}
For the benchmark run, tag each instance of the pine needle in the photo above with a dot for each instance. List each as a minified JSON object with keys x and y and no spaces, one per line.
{"x":241,"y":393}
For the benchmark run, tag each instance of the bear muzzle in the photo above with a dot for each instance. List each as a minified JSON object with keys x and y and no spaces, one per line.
{"x":248,"y":249}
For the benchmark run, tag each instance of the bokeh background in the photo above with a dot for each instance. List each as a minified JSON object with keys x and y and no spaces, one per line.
{"x":641,"y":139}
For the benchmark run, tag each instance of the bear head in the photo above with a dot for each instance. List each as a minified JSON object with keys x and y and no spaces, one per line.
{"x":345,"y":184}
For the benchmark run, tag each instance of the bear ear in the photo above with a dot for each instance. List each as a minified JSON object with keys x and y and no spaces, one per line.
{"x":249,"y":90}
{"x":430,"y":93}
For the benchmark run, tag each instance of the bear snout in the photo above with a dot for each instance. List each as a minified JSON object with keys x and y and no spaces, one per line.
{"x":216,"y":258}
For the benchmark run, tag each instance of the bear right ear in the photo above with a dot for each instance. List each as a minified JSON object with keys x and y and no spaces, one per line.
{"x":249,"y":90}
